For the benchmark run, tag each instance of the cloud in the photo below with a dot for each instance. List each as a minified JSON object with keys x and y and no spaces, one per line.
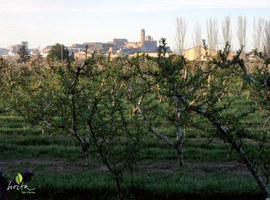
{"x":17,"y":7}
{"x":178,"y":5}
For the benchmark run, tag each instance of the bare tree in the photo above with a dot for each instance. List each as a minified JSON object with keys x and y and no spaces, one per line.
{"x":266,"y":42}
{"x":197,"y":40}
{"x":212,"y":33}
{"x":258,"y":33}
{"x":242,"y":30}
{"x":227,"y":30}
{"x":197,"y":35}
{"x":181,"y":28}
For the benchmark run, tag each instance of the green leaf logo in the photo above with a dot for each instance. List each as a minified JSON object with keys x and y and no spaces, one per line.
{"x":19,"y":179}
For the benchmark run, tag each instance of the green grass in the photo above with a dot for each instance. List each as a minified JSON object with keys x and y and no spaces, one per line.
{"x":37,"y":140}
{"x":19,"y":131}
{"x":61,"y":173}
{"x":152,"y":186}
{"x":39,"y":151}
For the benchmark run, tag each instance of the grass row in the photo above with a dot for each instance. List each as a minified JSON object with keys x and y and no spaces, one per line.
{"x":93,"y":185}
{"x":19,"y":142}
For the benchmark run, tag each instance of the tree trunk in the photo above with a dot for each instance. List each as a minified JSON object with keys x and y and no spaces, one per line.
{"x":179,"y":137}
{"x":237,"y":147}
{"x":179,"y":147}
{"x":43,"y":131}
{"x":118,"y":188}
{"x":262,"y":184}
{"x":87,"y":159}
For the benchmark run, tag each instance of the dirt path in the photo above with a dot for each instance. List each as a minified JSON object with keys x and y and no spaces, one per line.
{"x":152,"y":166}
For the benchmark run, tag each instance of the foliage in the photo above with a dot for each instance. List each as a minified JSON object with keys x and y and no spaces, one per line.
{"x":115,"y":131}
{"x":115,"y":105}
{"x":58,"y":52}
{"x":7,"y":83}
{"x":162,"y":48}
{"x":23,"y":53}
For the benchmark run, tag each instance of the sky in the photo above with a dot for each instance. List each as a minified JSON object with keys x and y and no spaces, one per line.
{"x":46,"y":22}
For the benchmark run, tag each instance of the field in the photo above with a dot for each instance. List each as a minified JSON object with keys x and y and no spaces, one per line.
{"x":135,"y":128}
{"x":211,"y":170}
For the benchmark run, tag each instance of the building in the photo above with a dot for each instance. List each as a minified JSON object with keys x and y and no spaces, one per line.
{"x":123,"y":47}
{"x":128,"y":51}
{"x":119,"y":42}
{"x":35,"y":51}
{"x":94,"y":46}
{"x":251,"y":56}
{"x":147,"y":43}
{"x":133,"y":45}
{"x":4,"y":52}
{"x":13,"y":49}
{"x":234,"y":53}
{"x":198,"y":53}
{"x":142,"y":37}
{"x":82,"y":55}
{"x":80,"y":47}
{"x":151,"y":54}
{"x":45,"y":51}
{"x":73,"y":50}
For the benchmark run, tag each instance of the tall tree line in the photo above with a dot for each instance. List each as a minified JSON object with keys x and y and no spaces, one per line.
{"x":218,"y":34}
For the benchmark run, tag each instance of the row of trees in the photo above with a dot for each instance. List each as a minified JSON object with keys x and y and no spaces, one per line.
{"x":217,"y":39}
{"x":113,"y":105}
{"x":57,"y":52}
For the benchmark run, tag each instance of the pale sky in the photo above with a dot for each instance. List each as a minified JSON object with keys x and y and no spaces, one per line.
{"x":46,"y":22}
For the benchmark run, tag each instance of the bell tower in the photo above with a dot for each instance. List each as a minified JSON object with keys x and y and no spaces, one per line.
{"x":142,"y":37}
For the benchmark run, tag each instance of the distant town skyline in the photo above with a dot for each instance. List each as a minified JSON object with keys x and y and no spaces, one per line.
{"x":43,"y":23}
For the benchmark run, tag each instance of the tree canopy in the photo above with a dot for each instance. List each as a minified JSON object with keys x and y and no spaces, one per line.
{"x":23,"y":52}
{"x":58,"y":52}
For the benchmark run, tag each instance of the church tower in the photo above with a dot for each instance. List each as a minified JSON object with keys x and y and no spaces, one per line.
{"x":142,"y":37}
